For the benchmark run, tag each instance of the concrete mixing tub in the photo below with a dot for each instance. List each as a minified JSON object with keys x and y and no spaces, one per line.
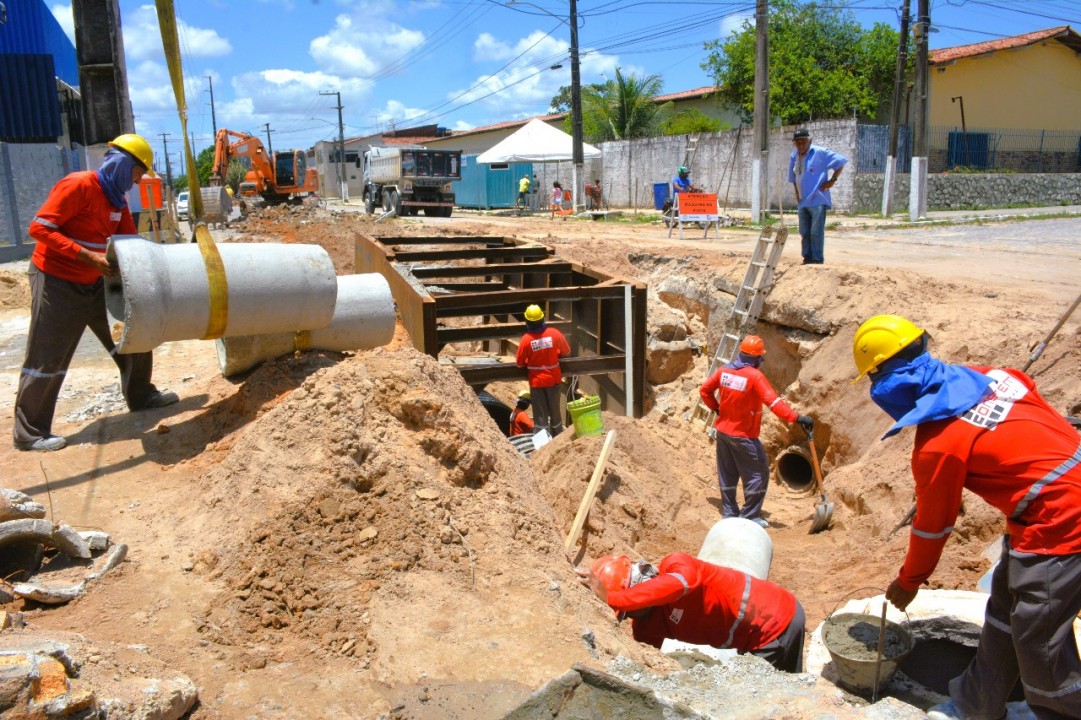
{"x":162,"y":292}
{"x":364,"y":318}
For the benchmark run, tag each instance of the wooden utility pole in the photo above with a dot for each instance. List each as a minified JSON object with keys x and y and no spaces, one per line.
{"x":213,"y":114}
{"x":917,"y":199}
{"x":895,"y":114}
{"x":168,"y":167}
{"x":269,"y":145}
{"x":760,"y":157}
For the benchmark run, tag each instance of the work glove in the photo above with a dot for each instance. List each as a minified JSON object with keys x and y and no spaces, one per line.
{"x":807,"y":423}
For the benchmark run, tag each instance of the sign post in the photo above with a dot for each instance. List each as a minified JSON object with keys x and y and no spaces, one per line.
{"x":699,"y":208}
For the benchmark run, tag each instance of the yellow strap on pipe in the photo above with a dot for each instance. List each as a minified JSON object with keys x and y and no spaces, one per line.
{"x":302,"y":340}
{"x":217,"y":285}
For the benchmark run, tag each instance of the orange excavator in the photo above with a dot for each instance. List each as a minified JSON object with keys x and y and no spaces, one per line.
{"x":283,"y":178}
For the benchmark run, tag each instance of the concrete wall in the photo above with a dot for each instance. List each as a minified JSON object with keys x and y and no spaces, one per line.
{"x":722,"y":163}
{"x":958,"y":191}
{"x":27,"y":174}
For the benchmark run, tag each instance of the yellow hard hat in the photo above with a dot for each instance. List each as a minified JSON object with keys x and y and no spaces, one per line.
{"x":138,"y":148}
{"x":525,"y":395}
{"x":880,"y":338}
{"x":533,"y":313}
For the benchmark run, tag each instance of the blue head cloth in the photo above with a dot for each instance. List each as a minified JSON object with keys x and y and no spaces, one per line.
{"x":115,"y":177}
{"x":924,"y":389}
{"x":744,"y":360}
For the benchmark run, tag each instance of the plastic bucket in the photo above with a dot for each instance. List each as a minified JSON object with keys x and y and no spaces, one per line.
{"x":586,"y":416}
{"x":852,"y":642}
{"x":660,"y":194}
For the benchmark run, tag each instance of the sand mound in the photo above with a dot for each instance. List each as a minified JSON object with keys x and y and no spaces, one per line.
{"x":14,"y":290}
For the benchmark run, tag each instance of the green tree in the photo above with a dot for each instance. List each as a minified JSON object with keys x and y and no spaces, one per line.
{"x":822,"y":64}
{"x":561,"y":101}
{"x":690,"y":121}
{"x":235,"y":175}
{"x":622,"y":109}
{"x":204,"y":163}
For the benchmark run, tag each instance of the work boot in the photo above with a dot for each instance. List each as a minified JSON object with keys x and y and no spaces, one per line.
{"x":159,"y":400}
{"x":945,"y":711}
{"x":761,"y":522}
{"x":45,"y":444}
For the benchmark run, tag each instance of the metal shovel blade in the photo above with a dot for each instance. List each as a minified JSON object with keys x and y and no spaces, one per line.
{"x":823,"y":516}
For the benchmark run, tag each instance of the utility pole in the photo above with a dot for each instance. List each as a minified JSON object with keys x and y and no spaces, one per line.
{"x":895,"y":114}
{"x":577,"y":154}
{"x":213,"y":116}
{"x":168,"y":167}
{"x":917,"y":199}
{"x":760,"y":161}
{"x":341,"y":147}
{"x":269,"y":145}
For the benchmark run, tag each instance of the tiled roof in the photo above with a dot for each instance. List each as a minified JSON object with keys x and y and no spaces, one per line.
{"x":1063,"y":34}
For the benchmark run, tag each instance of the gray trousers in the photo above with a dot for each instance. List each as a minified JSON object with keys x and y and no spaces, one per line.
{"x":742,"y":458}
{"x":547,"y":412}
{"x":59,"y":313}
{"x":1027,"y":633}
{"x":786,"y":652}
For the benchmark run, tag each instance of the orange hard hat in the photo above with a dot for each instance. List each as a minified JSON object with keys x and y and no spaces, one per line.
{"x":752,"y":345}
{"x":614,"y":571}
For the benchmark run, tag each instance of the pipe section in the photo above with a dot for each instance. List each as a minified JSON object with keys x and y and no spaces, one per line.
{"x":740,"y":544}
{"x":794,"y":468}
{"x":364,"y":318}
{"x":163,"y":292}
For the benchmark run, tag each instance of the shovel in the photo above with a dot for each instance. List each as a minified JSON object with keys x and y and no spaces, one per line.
{"x":824,"y":509}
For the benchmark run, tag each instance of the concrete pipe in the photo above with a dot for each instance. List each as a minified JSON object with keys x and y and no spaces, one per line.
{"x":740,"y":544}
{"x":363,"y":318}
{"x":170,"y":292}
{"x":794,"y":468}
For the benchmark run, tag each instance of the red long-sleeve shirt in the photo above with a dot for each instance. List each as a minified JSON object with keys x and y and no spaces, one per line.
{"x":520,"y":422}
{"x":75,"y":214}
{"x":1014,"y":451}
{"x":539,"y":352}
{"x":737,"y":396}
{"x":705,"y":604}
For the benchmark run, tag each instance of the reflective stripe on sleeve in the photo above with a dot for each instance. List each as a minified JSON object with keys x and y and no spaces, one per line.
{"x":932,"y":536}
{"x":46,"y":223}
{"x":686,"y":585}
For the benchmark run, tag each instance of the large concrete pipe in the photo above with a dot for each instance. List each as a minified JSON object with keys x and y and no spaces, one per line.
{"x":794,"y":468}
{"x":175,"y":292}
{"x":740,"y":544}
{"x":363,"y":318}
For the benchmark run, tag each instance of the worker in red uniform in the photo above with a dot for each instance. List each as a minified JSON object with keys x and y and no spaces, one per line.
{"x":700,"y":603}
{"x":988,"y":430}
{"x":539,"y":352}
{"x":736,"y":393}
{"x":72,"y":231}
{"x":520,"y":422}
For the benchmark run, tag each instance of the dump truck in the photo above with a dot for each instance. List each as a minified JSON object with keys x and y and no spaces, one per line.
{"x":410,"y":179}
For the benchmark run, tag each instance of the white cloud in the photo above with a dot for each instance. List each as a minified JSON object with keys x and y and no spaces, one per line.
{"x":361,"y":49}
{"x":142,"y":37}
{"x":486,"y":47}
{"x":66,"y":18}
{"x":463,"y":125}
{"x":733,"y":24}
{"x":396,"y":113}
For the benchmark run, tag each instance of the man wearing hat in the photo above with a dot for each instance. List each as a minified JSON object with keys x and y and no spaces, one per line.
{"x":72,"y":231}
{"x":809,"y":168}
{"x":539,"y":352}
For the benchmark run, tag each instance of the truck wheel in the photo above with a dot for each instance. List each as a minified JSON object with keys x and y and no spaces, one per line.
{"x":369,"y":203}
{"x":388,"y":198}
{"x":447,"y":212}
{"x":396,"y":203}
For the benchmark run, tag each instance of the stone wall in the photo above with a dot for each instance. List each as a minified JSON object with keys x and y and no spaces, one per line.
{"x":27,"y":174}
{"x":956,"y":191}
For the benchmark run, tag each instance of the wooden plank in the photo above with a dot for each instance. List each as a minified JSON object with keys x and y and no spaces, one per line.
{"x":591,"y":491}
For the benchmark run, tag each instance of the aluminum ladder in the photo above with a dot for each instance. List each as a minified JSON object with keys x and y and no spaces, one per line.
{"x":757,"y":282}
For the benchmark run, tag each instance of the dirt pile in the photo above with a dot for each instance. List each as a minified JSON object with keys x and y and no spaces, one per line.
{"x":14,"y":290}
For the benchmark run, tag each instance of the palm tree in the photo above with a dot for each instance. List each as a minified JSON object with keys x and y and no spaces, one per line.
{"x":622,"y":108}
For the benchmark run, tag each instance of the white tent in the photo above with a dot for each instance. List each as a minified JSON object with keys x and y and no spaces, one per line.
{"x":537,"y":142}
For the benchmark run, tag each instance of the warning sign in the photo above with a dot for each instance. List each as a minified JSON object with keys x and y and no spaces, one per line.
{"x":698,"y":207}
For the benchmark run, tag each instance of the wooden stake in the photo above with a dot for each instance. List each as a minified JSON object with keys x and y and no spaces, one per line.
{"x":591,"y":491}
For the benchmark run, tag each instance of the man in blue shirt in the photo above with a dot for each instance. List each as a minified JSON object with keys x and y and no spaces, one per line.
{"x":682,"y":181}
{"x":808,"y":167}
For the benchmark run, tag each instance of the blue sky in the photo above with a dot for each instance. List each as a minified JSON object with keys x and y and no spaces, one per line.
{"x":457,"y":63}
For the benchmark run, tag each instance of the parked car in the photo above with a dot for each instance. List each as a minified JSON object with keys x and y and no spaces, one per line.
{"x":182,"y":206}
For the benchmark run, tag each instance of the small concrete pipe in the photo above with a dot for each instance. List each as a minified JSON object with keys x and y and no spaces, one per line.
{"x":364,"y":318}
{"x":740,"y":544}
{"x":169,"y":292}
{"x":794,"y":468}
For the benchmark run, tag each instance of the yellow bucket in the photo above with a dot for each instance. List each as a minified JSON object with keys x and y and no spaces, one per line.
{"x":586,"y":416}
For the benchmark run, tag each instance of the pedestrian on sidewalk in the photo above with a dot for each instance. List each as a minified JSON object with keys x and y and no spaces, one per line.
{"x":987,"y":430}
{"x":736,"y":392}
{"x":808,"y":167}
{"x":523,"y":191}
{"x":697,"y":602}
{"x":539,"y":351}
{"x":67,"y":287}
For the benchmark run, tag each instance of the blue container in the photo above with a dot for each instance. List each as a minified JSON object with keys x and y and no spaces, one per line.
{"x":486,"y":186}
{"x":660,"y":195}
{"x":29,"y":106}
